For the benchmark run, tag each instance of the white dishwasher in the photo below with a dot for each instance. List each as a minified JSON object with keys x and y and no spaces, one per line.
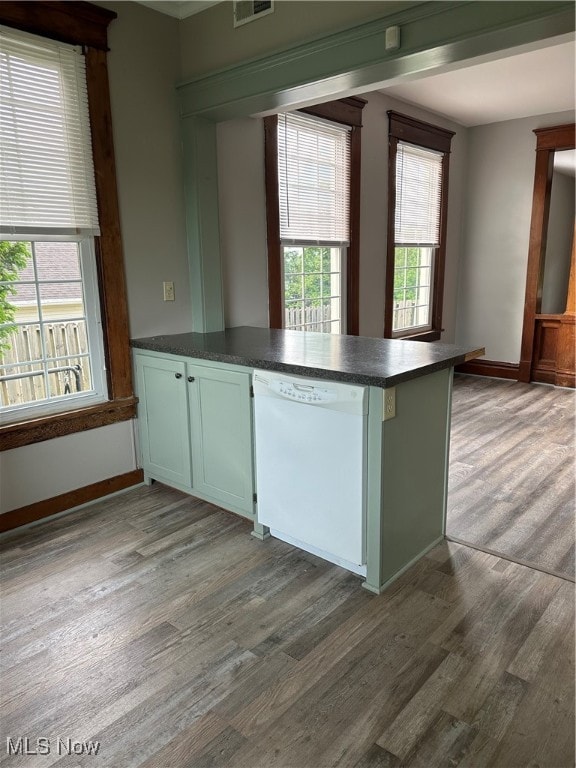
{"x":310,"y":465}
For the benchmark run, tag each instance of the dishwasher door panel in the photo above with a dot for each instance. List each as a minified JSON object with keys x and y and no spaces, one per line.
{"x":310,"y":475}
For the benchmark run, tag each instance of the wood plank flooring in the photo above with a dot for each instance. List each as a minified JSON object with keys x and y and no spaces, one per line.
{"x":154,"y":624}
{"x":512,"y":471}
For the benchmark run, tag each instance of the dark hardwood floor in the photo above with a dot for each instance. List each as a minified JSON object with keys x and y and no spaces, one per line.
{"x":154,"y":624}
{"x":512,"y":478}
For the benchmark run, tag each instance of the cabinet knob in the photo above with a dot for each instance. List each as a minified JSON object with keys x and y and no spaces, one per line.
{"x":178,"y":375}
{"x":191,"y":379}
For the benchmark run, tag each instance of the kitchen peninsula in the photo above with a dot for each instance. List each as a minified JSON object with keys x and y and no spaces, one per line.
{"x":196,"y":420}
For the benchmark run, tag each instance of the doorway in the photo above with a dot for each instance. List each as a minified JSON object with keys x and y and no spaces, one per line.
{"x":548,"y":337}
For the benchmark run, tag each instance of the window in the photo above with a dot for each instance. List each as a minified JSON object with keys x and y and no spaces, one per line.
{"x":66,"y":282}
{"x":50,"y":340}
{"x":312,"y":190}
{"x":417,"y":204}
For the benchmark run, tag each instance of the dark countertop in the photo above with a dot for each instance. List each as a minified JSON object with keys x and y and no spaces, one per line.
{"x":352,"y":359}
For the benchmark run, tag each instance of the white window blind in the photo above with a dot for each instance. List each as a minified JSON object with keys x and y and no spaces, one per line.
{"x":46,"y":169}
{"x":418,"y":196}
{"x":313,"y":180}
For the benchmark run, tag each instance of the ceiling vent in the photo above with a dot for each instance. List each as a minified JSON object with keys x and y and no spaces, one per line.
{"x":248,"y":10}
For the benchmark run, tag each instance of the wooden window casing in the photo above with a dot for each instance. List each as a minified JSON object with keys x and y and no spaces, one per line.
{"x":347,"y":112}
{"x":81,"y":23}
{"x":412,"y":131}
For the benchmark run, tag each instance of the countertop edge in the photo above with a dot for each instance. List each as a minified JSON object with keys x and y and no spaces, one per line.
{"x":296,"y":369}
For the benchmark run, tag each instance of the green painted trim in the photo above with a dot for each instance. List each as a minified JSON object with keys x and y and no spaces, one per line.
{"x":374,"y":491}
{"x":201,"y":197}
{"x":447,"y":450}
{"x":433,"y":35}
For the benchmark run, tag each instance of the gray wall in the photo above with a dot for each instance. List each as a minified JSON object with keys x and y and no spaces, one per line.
{"x":144,"y":67}
{"x":498,"y":207}
{"x":243,"y":222}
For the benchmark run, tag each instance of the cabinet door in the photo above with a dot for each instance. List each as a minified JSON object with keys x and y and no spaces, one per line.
{"x":221,"y":435}
{"x":163,"y":419}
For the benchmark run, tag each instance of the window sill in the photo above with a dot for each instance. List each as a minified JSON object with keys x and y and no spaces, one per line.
{"x":424,"y":336}
{"x":58,"y":425}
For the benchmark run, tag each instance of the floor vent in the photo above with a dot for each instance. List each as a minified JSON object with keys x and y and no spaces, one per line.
{"x":248,"y":10}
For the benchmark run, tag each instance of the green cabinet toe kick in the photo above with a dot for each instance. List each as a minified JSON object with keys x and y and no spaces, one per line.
{"x":196,"y":434}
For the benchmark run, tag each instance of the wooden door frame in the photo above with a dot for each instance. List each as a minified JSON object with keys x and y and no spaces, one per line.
{"x":548,"y":141}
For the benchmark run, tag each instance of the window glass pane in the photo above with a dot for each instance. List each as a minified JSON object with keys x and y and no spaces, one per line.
{"x":61,"y":300}
{"x":65,"y":338}
{"x":24,"y":300}
{"x":293,"y":287}
{"x":294,"y":314}
{"x":68,"y":376}
{"x":312,"y":259}
{"x":57,"y":261}
{"x":327,"y":259}
{"x":25,"y":343}
{"x":400,"y":257}
{"x":335,"y":284}
{"x":293,"y":260}
{"x":22,"y":384}
{"x":312,"y":288}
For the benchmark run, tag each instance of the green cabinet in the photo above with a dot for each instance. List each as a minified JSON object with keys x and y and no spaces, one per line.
{"x":221,"y":432}
{"x":195,"y":424}
{"x":163,"y":420}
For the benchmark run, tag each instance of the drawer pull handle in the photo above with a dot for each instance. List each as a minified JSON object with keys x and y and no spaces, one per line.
{"x":178,"y":375}
{"x":191,"y":379}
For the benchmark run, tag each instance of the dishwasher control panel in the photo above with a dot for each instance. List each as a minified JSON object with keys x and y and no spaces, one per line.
{"x":305,"y":393}
{"x":328,"y":395}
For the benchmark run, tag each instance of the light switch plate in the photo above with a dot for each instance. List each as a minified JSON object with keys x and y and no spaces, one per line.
{"x":168,"y":291}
